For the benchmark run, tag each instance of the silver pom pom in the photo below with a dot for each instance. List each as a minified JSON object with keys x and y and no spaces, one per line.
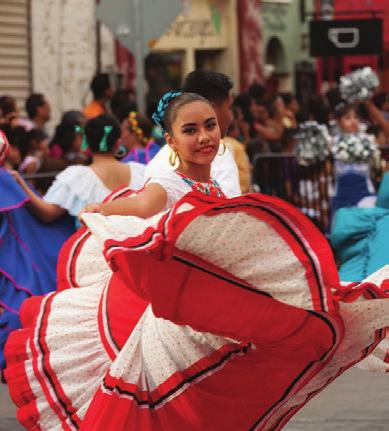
{"x":312,"y":143}
{"x":358,"y":85}
{"x":354,"y":148}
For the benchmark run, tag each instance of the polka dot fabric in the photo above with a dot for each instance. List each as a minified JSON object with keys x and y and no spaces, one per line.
{"x":217,"y":314}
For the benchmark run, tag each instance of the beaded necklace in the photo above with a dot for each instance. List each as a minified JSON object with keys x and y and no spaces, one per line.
{"x":210,"y":188}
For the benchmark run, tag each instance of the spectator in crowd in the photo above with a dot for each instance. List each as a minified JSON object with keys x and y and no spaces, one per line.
{"x":291,"y":109}
{"x":33,"y":148}
{"x":318,"y":110}
{"x":9,"y":111}
{"x":39,"y":113}
{"x":102,"y":92}
{"x":121,"y":101}
{"x":67,"y":140}
{"x":268,"y":122}
{"x":237,"y":148}
{"x":257,"y":91}
{"x":242,"y":113}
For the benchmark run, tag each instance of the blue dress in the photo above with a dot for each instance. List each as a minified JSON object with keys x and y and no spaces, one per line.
{"x":28,"y":254}
{"x":142,"y":155}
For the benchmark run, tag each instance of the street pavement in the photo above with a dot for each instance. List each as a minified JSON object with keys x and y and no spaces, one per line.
{"x":357,"y":401}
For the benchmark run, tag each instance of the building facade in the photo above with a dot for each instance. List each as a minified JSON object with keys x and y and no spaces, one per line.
{"x":49,"y":47}
{"x":55,"y":47}
{"x":288,"y":65}
{"x":331,"y":68}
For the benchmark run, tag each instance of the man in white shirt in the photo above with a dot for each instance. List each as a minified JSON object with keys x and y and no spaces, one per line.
{"x":216,"y":87}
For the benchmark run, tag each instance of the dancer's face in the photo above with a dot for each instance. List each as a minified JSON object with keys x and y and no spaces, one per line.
{"x":195,"y":133}
{"x":349,"y":122}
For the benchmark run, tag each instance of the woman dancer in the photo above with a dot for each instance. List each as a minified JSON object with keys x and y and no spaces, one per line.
{"x":249,"y":298}
{"x":80,"y":185}
{"x":28,"y":263}
{"x":28,"y":250}
{"x":136,"y":136}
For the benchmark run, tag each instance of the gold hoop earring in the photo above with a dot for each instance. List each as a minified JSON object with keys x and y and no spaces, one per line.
{"x":224,"y":148}
{"x":173,"y":156}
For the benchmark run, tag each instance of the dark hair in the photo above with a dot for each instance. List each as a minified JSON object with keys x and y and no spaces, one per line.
{"x":287,"y":98}
{"x":73,"y":118}
{"x":25,"y":140}
{"x":243,"y":101}
{"x":99,"y":85}
{"x":174,"y":105}
{"x":33,"y":102}
{"x":214,"y":86}
{"x":334,"y":97}
{"x":257,"y":91}
{"x":125,"y":110}
{"x":94,"y":132}
{"x":318,"y":109}
{"x":342,"y":109}
{"x":7,"y":105}
{"x":64,"y":136}
{"x":119,"y":102}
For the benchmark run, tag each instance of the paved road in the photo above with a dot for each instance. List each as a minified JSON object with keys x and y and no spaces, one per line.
{"x":7,"y":412}
{"x":357,"y":401}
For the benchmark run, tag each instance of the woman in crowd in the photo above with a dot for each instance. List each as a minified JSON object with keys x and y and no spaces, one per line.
{"x":67,"y":139}
{"x":80,"y":185}
{"x":211,"y":301}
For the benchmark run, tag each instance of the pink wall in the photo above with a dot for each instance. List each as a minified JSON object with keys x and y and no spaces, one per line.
{"x":250,"y":40}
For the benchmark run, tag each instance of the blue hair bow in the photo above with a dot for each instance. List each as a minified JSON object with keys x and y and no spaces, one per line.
{"x":164,"y":101}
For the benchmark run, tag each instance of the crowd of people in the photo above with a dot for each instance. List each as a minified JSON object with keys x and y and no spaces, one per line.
{"x":181,"y":301}
{"x":261,"y":123}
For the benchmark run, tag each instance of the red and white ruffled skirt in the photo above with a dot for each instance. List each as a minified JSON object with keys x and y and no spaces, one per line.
{"x":216,"y":315}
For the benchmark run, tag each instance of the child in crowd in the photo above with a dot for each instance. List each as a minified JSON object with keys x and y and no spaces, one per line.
{"x":355,"y":153}
{"x":33,"y":148}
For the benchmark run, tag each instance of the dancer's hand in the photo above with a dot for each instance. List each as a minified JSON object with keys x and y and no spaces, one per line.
{"x":91,"y":208}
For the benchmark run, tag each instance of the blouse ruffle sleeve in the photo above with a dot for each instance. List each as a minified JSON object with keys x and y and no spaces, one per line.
{"x":74,"y":188}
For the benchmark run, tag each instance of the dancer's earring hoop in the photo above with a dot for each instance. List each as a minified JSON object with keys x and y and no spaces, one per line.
{"x":173,"y":157}
{"x":224,"y":149}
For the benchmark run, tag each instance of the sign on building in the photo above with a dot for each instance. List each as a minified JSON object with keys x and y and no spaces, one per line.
{"x":346,"y":37}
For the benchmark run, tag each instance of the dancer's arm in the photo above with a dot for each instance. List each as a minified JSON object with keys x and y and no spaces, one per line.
{"x":45,"y":211}
{"x":147,"y":203}
{"x":377,"y":117}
